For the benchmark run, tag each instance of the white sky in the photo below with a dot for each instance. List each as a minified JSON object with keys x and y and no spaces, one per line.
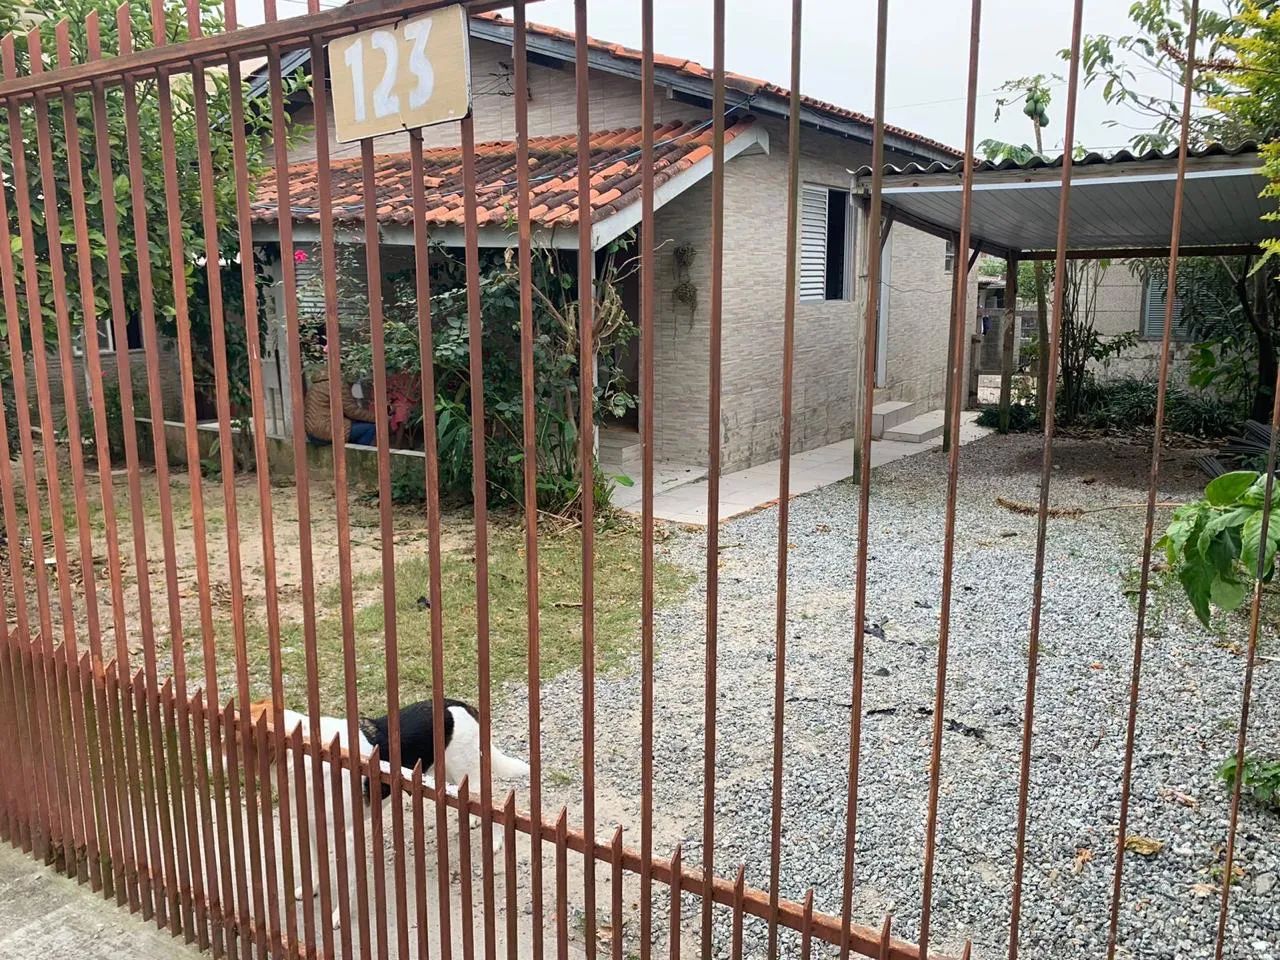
{"x":928,"y":53}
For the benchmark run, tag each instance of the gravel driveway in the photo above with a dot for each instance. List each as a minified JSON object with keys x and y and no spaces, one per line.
{"x":1188,"y":712}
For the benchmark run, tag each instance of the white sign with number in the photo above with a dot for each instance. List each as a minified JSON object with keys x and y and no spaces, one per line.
{"x":399,"y":77}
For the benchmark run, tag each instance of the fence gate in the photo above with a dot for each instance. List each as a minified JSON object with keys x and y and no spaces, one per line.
{"x":134,"y":756}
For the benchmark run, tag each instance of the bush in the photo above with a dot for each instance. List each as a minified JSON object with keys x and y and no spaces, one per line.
{"x":1260,"y":779}
{"x":1023,"y":417}
{"x":1131,"y":402}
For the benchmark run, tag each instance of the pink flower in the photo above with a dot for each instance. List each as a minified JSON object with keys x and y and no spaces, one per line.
{"x":300,"y":256}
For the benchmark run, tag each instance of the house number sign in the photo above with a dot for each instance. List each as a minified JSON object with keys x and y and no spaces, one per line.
{"x":401,"y":76}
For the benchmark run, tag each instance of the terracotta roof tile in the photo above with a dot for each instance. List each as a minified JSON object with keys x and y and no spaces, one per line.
{"x":553,"y":164}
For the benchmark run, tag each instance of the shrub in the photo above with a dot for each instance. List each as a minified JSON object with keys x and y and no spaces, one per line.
{"x":1260,"y":779}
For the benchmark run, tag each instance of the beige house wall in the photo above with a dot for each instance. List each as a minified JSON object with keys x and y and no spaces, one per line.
{"x":828,"y":341}
{"x":1119,"y":311}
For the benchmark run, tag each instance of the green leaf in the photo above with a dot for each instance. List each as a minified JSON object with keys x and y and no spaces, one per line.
{"x":1251,"y":539}
{"x":1229,"y":519}
{"x":1197,"y":581}
{"x":1257,"y":493}
{"x":1228,"y":488}
{"x":1227,"y":594}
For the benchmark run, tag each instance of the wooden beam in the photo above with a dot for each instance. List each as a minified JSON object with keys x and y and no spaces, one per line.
{"x":1007,"y":340}
{"x":1123,"y":253}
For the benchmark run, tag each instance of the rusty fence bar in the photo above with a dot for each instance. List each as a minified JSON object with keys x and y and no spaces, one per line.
{"x":135,"y":771}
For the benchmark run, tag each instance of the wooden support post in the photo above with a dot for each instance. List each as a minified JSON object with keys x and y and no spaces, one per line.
{"x":959,"y":293}
{"x":1008,"y":333}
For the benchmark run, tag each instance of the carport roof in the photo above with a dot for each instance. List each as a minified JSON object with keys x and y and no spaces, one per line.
{"x":1121,"y":205}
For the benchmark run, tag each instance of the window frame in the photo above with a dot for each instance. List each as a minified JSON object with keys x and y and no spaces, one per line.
{"x":1179,"y":334}
{"x":848,"y":275}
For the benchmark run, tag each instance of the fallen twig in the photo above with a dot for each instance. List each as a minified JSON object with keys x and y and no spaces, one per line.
{"x":1072,"y":513}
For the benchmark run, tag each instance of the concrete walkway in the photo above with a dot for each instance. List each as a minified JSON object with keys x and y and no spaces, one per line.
{"x":756,"y":487}
{"x":47,"y":915}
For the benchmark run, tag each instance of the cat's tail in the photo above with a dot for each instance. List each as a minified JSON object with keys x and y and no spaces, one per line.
{"x":508,"y":768}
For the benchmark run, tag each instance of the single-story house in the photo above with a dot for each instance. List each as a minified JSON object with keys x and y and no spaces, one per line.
{"x":917,"y":277}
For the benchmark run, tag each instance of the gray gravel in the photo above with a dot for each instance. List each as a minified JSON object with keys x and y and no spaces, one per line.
{"x":1188,"y":714}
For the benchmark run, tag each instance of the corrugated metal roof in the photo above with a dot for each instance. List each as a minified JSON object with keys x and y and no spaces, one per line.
{"x":1090,"y":159}
{"x":1121,"y":203}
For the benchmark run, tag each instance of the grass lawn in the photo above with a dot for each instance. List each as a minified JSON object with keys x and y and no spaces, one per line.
{"x":617,"y":586}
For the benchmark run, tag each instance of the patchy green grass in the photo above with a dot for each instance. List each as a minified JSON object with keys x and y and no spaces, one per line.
{"x":617,"y":620}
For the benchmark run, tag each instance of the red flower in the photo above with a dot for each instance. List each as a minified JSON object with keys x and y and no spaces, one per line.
{"x":300,"y":256}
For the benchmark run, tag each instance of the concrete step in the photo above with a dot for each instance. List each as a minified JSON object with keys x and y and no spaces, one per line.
{"x":919,"y":429}
{"x":619,"y":449}
{"x":887,"y":414}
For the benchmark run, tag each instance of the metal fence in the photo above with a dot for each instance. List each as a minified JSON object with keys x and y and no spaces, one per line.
{"x":148,"y":783}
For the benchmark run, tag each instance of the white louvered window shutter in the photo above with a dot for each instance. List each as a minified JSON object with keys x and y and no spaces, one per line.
{"x":1153,"y":310}
{"x":813,"y":243}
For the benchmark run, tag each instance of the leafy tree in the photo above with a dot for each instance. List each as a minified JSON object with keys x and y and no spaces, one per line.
{"x":555,"y":353}
{"x":1237,"y":76}
{"x":1035,"y":96}
{"x":17,"y":16}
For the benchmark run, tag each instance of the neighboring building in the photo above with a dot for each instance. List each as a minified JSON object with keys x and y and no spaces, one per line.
{"x":1128,"y":303}
{"x":911,"y":348}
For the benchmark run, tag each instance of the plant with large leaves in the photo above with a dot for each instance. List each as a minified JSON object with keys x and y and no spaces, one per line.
{"x":18,"y":16}
{"x":1213,"y":544}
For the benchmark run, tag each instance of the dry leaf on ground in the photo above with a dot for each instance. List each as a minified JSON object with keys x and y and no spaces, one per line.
{"x":1146,"y":846}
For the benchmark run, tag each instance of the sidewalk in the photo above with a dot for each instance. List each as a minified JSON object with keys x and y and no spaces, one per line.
{"x":756,"y":487}
{"x":45,"y":915}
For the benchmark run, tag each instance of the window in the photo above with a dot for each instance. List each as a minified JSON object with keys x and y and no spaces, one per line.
{"x":1153,"y":311}
{"x":949,"y":257}
{"x":107,"y":334}
{"x":824,"y":243}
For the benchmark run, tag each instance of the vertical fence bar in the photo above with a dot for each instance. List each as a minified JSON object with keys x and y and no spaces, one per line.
{"x":51,"y":790}
{"x":875,"y":251}
{"x":373,"y":270}
{"x":424,"y":926}
{"x":956,"y":361}
{"x":648,"y":241}
{"x":226,"y":811}
{"x":132,"y":825}
{"x":84,"y":827}
{"x":178,"y":278}
{"x":735,"y":943}
{"x":17,"y":764}
{"x":586,"y":447}
{"x":235,"y":738}
{"x":27,"y":787}
{"x":480,"y":497}
{"x":133,"y":701}
{"x":509,"y":850}
{"x":333,"y":342}
{"x":298,"y":764}
{"x":422,"y":280}
{"x":302,"y":484}
{"x":1046,"y":477}
{"x":102,"y":451}
{"x":466,"y":879}
{"x":784,"y":478}
{"x":1166,"y":340}
{"x":375,"y":783}
{"x":123,"y":731}
{"x":562,"y":887}
{"x":257,"y":395}
{"x":262,"y":747}
{"x":420,"y":865}
{"x":220,"y":908}
{"x":529,"y":427}
{"x":169,"y":809}
{"x":713,"y":470}
{"x":806,"y":926}
{"x":342,"y":919}
{"x":673,"y":917}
